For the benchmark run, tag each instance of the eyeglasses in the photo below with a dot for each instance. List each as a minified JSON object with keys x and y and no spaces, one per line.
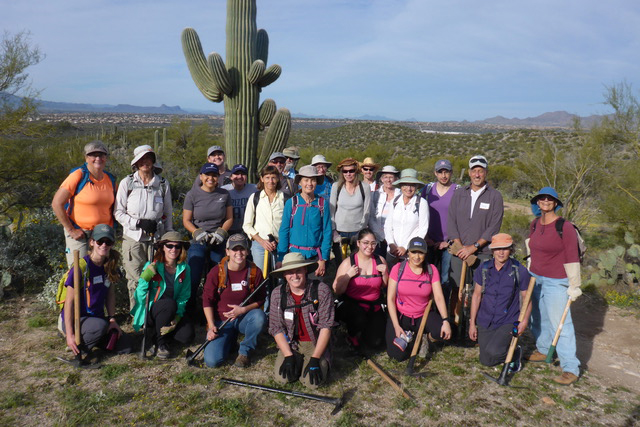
{"x":104,"y":242}
{"x":172,"y":246}
{"x":367,"y":169}
{"x":348,"y":171}
{"x":368,"y":243}
{"x":97,"y":154}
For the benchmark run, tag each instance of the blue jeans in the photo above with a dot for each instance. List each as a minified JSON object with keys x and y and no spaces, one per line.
{"x":549,"y":300}
{"x":197,"y":259}
{"x":249,"y":324}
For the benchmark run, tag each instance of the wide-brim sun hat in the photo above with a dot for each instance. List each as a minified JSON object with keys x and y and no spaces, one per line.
{"x":387,"y":169}
{"x":294,"y":260}
{"x":545,"y":191}
{"x":349,"y":161}
{"x":140,"y":152}
{"x":501,"y":241}
{"x":319,"y":159}
{"x":308,"y":171}
{"x":291,"y":152}
{"x":371,"y":163}
{"x":408,"y":176}
{"x":173,"y":236}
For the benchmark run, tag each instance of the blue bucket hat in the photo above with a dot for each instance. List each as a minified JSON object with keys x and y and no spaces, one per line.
{"x":545,"y":191}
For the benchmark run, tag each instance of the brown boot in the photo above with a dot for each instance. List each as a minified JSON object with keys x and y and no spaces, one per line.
{"x":536,"y":356}
{"x":567,"y":378}
{"x":242,"y":361}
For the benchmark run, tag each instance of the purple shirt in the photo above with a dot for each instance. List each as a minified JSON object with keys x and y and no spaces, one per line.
{"x":438,"y":212}
{"x":499,"y":305}
{"x":96,"y":287}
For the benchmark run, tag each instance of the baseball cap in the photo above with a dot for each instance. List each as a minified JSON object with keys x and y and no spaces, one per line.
{"x":478,"y":161}
{"x":239,"y":169}
{"x":214,"y":148}
{"x":277,"y":155}
{"x":95,"y":146}
{"x":236,"y":240}
{"x":417,"y":244}
{"x":209,"y":168}
{"x":101,"y":231}
{"x":443,"y":164}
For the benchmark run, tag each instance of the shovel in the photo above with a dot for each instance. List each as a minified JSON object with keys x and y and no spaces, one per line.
{"x":503,"y":379}
{"x":552,"y":349}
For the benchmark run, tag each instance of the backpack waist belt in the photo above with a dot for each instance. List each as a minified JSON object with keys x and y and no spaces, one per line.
{"x":308,"y":248}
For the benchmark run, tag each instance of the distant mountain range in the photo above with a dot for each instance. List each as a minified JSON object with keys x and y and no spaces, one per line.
{"x":560,"y":119}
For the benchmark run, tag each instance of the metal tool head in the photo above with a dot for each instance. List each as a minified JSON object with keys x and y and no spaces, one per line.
{"x":339,"y":404}
{"x":80,"y":363}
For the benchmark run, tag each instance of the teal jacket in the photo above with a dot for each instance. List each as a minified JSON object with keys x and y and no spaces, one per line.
{"x":181,"y":290}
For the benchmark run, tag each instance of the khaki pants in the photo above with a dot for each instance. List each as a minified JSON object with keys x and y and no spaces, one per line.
{"x":302,"y":358}
{"x":134,"y":256}
{"x":72,"y":244}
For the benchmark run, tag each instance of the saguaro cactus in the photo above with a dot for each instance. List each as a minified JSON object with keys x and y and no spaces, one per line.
{"x":238,"y":83}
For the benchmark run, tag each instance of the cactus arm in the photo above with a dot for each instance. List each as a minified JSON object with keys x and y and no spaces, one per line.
{"x":220,"y":73}
{"x":266,"y":112}
{"x":256,"y":71}
{"x":263,"y":45}
{"x":277,"y":135}
{"x":270,"y":75}
{"x":200,"y":72}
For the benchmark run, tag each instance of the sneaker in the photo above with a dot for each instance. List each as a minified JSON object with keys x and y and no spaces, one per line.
{"x":516,"y":362}
{"x":536,"y":356}
{"x":242,"y":361}
{"x":163,"y":352}
{"x":567,"y":378}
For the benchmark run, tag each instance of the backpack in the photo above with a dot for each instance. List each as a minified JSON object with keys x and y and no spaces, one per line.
{"x":582,"y":246}
{"x":223,"y":274}
{"x":427,"y":188}
{"x":294,"y":208}
{"x":131,"y":185}
{"x":81,"y":184}
{"x":256,"y":200}
{"x":377,"y":257}
{"x":61,"y":294}
{"x":516,"y":279}
{"x":395,"y":202}
{"x":340,"y":189}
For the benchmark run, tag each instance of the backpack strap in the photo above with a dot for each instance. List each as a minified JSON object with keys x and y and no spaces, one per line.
{"x":223,"y":273}
{"x":256,"y":200}
{"x":485,"y":268}
{"x":559,"y":224}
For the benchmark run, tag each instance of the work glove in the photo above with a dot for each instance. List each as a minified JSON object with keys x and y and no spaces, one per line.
{"x":170,"y":327}
{"x":148,"y":273}
{"x":573,"y":275}
{"x":218,"y":236}
{"x":149,"y":226}
{"x":314,"y":371}
{"x":455,"y":247}
{"x":200,"y":236}
{"x":288,"y":368}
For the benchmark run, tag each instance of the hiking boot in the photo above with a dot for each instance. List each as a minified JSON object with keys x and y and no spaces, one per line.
{"x":516,"y":362}
{"x":163,"y":352}
{"x":242,"y":361}
{"x":536,"y":356}
{"x":567,"y":378}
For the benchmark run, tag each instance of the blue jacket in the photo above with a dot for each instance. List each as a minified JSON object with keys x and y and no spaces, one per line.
{"x":310,"y":228}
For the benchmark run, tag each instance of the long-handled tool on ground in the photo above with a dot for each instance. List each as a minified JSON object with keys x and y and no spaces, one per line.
{"x":143,"y":350}
{"x":459,"y":312}
{"x":416,"y":344}
{"x":503,"y":378}
{"x":337,"y":402}
{"x":388,"y":379}
{"x":552,"y":349}
{"x":191,"y":355}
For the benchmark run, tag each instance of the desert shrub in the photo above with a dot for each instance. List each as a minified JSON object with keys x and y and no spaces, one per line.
{"x":517,"y":225}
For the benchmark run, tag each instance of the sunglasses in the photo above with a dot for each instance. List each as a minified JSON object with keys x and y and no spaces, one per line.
{"x":367,"y":169}
{"x":173,"y":246}
{"x":279,"y":162}
{"x":104,"y":242}
{"x":547,"y":198}
{"x":348,"y":171}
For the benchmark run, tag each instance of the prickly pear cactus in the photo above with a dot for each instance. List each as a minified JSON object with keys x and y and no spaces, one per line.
{"x":238,"y":83}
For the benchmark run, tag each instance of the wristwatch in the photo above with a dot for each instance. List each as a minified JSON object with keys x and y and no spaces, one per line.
{"x":476,"y":245}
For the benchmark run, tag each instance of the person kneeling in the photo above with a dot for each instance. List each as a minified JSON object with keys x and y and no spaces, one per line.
{"x":300,"y":320}
{"x":228,"y":284}
{"x":495,"y":305}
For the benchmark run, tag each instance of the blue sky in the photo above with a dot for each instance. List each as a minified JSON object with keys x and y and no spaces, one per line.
{"x":423,"y":59}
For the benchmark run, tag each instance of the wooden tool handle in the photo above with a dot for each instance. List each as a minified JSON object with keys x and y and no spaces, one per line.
{"x":76,"y":296}
{"x":523,"y":312}
{"x":423,"y":323}
{"x":386,"y":377}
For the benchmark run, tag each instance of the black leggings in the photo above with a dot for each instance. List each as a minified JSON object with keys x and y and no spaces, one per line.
{"x":433,"y":326}
{"x":162,"y":313}
{"x":367,"y":323}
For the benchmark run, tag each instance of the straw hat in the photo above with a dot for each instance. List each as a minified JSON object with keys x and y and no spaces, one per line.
{"x":349,"y":161}
{"x":408,"y":176}
{"x":370,"y":162}
{"x":308,"y":171}
{"x":294,"y":260}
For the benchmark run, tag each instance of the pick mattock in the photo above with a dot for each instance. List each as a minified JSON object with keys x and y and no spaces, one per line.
{"x":459,"y":309}
{"x":191,"y":355}
{"x":552,"y":349}
{"x":416,"y":344}
{"x":338,"y":402}
{"x":388,"y":379}
{"x":503,"y":378}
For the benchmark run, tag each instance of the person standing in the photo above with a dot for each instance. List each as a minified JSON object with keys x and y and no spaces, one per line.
{"x":239,"y":191}
{"x":292,"y":156}
{"x":555,"y":263}
{"x":500,"y":284}
{"x":438,"y":195}
{"x":144,"y":209}
{"x":322,"y":166}
{"x":228,"y":284}
{"x":215,"y":155}
{"x":369,"y":170}
{"x":85,"y":199}
{"x":382,"y":205}
{"x":474,"y":217}
{"x":287,"y":185}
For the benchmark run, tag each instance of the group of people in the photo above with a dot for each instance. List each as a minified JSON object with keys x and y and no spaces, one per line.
{"x":409,"y":242}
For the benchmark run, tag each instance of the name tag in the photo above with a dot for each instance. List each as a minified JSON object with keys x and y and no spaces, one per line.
{"x":107,"y":283}
{"x":484,"y":206}
{"x":236,"y":287}
{"x":97,"y":279}
{"x":288,"y":315}
{"x":158,"y":199}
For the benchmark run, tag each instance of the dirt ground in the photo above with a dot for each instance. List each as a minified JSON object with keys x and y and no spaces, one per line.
{"x":36,"y":389}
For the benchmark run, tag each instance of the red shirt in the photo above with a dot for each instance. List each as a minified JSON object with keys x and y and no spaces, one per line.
{"x":236,"y":291}
{"x":549,"y":251}
{"x":303,"y":335}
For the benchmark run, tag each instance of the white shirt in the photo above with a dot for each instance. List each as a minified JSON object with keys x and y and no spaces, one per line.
{"x":380,"y":210}
{"x":405,"y":223}
{"x":268,"y":216}
{"x":474,"y":197}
